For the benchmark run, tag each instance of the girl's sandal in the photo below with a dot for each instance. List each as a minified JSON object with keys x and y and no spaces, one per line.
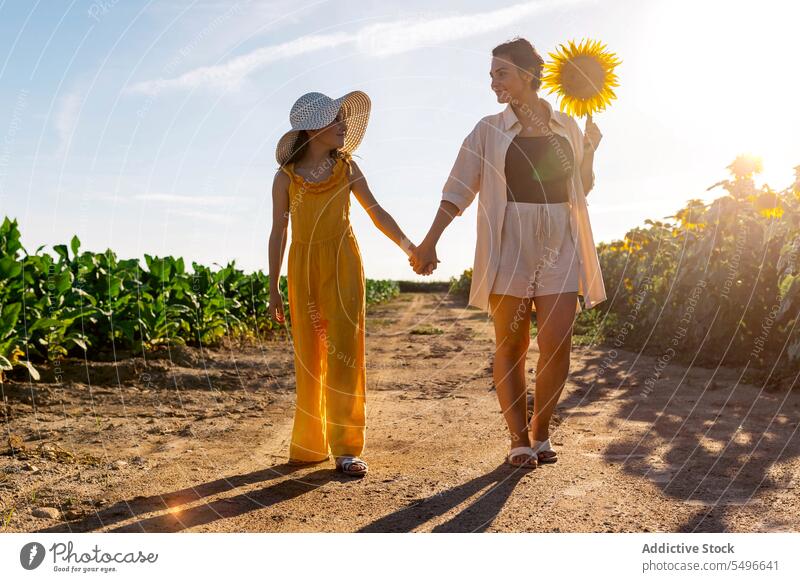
{"x":346,"y":466}
{"x":530,"y":461}
{"x":545,"y":452}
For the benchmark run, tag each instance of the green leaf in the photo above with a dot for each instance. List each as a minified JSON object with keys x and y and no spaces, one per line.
{"x":86,"y":296}
{"x":9,"y":268}
{"x":114,"y":286}
{"x":79,"y":342}
{"x":45,"y":322}
{"x":75,"y":244}
{"x":64,"y":282}
{"x":33,"y":371}
{"x":9,"y":317}
{"x":62,"y":251}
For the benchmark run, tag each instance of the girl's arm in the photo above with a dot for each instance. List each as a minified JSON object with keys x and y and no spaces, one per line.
{"x":277,"y":242}
{"x":382,"y":219}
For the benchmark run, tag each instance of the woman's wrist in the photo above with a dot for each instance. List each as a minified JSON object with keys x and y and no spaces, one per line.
{"x":429,"y":242}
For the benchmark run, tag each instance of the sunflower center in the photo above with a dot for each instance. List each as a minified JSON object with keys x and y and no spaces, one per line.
{"x":583,"y":77}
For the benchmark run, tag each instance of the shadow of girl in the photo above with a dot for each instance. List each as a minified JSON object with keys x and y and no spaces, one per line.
{"x":123,"y":510}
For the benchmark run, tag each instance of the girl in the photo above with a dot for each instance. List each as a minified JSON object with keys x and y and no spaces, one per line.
{"x":535,"y":250}
{"x":325,"y":274}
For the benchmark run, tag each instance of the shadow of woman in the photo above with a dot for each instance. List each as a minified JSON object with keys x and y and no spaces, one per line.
{"x":711,"y":444}
{"x":477,"y":517}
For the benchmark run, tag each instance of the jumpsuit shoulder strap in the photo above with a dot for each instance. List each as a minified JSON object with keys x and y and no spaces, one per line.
{"x":288,"y":169}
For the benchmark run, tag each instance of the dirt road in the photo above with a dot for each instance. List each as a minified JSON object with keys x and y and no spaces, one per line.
{"x":196,"y":441}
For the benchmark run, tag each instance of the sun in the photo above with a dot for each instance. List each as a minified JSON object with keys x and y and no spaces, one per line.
{"x":582,"y":76}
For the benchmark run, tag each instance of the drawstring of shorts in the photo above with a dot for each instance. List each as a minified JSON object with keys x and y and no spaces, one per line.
{"x":543,"y":212}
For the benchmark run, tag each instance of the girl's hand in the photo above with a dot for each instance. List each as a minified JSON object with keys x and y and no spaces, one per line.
{"x":591,"y":135}
{"x":423,"y":259}
{"x":275,"y":309}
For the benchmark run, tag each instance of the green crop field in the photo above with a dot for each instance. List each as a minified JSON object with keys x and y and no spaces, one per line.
{"x":82,"y":303}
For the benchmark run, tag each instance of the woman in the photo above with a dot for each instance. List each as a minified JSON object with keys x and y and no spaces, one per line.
{"x":325,"y":275}
{"x":535,"y":250}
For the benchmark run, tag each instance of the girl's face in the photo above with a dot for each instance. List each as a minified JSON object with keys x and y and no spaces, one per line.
{"x":332,"y":135}
{"x":509,"y":82}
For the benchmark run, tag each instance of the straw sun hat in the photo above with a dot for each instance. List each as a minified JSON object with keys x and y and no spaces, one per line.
{"x":316,"y":110}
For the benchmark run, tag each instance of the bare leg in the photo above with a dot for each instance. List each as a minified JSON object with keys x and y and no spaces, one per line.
{"x":512,"y":318}
{"x":555,"y":315}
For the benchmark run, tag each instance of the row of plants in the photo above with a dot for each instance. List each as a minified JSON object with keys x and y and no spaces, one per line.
{"x":82,"y":303}
{"x":715,"y":283}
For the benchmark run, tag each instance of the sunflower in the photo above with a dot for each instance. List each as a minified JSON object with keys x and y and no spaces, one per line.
{"x":768,"y":203}
{"x":583,"y":76}
{"x":691,"y":217}
{"x":745,"y":165}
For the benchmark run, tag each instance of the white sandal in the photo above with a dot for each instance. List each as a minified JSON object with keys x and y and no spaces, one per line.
{"x":344,"y":465}
{"x":544,"y":447}
{"x":520,"y":451}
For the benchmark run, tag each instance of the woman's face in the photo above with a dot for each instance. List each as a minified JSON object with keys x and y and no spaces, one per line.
{"x":509,"y":82}
{"x":332,"y":135}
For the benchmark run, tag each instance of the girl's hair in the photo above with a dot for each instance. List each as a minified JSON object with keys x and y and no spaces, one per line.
{"x":301,"y":145}
{"x":521,"y":52}
{"x":298,"y":148}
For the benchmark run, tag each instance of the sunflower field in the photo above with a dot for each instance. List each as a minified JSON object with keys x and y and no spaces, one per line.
{"x":716,"y":284}
{"x":85,"y":304}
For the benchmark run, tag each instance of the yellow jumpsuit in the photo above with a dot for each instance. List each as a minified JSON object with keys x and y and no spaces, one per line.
{"x":327,"y":307}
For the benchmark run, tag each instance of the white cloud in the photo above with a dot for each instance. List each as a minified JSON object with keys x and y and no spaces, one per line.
{"x":232,"y":72}
{"x":373,"y":40}
{"x":214,"y":217}
{"x":187,"y":200}
{"x":220,"y":209}
{"x":397,"y":37}
{"x":66,"y":119}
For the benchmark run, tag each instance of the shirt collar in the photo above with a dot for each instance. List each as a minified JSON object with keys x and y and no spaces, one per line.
{"x":510,"y":118}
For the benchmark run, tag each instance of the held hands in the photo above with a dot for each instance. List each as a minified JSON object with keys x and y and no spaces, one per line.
{"x":423,"y":258}
{"x":591,"y":135}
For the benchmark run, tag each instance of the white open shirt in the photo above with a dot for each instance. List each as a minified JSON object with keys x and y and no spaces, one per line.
{"x":480,"y":168}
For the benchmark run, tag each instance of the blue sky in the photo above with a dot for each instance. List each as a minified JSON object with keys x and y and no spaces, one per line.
{"x":150,"y":127}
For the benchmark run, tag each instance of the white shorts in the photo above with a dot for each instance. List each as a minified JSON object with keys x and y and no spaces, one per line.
{"x":537,"y":253}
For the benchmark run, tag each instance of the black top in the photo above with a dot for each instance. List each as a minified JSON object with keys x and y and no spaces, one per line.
{"x":538,"y":169}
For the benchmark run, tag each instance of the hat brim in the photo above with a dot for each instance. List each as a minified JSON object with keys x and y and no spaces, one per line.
{"x":356,"y":107}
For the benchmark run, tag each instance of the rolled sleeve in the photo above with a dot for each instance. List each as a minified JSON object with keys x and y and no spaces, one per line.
{"x":464,"y":181}
{"x":577,"y":136}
